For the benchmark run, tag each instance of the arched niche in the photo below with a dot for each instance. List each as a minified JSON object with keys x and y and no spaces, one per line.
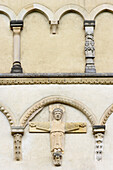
{"x":103,"y":41}
{"x":7,"y":120}
{"x":40,"y":143}
{"x":6,"y":45}
{"x":40,"y":105}
{"x":70,"y":43}
{"x":35,"y":43}
{"x":6,"y":141}
{"x":6,"y":39}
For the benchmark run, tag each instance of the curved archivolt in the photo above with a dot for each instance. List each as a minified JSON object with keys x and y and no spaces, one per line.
{"x":57,"y":99}
{"x":8,"y":115}
{"x":35,"y":7}
{"x":99,"y":9}
{"x":71,"y":8}
{"x":106,"y":115}
{"x":8,"y":12}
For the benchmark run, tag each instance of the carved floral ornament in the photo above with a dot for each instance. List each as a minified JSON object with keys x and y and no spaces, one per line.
{"x":56,"y":105}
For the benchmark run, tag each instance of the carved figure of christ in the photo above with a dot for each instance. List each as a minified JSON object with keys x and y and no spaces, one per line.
{"x":57,"y":129}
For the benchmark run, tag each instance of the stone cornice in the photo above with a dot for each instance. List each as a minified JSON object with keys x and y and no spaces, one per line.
{"x":30,"y":81}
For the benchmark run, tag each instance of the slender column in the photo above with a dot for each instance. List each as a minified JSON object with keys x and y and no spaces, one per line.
{"x":89,"y":46}
{"x":17,"y":133}
{"x":16,"y":27}
{"x":98,"y":131}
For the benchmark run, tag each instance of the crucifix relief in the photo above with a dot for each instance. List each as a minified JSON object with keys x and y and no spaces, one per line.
{"x":57,"y":129}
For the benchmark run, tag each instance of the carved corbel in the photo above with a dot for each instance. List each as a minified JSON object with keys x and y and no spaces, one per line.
{"x":98,"y":132}
{"x":16,"y":27}
{"x":17,"y":133}
{"x":89,"y":26}
{"x":54,"y":26}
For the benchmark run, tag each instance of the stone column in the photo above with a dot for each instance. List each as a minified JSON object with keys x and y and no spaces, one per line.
{"x":89,"y":46}
{"x":98,"y":132}
{"x":16,"y":27}
{"x":17,"y":133}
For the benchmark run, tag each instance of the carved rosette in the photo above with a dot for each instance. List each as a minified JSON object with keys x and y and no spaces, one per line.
{"x":17,"y":133}
{"x":98,"y":132}
{"x":89,"y":46}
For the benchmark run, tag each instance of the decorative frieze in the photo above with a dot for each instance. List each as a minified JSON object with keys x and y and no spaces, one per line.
{"x":31,"y":81}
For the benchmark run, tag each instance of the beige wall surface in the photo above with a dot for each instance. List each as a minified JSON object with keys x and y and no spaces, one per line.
{"x":103,"y":42}
{"x":44,"y":52}
{"x":36,"y":147}
{"x":6,"y":45}
{"x":63,"y":52}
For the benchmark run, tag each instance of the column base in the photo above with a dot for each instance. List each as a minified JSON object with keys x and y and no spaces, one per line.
{"x":90,"y":69}
{"x":16,"y":67}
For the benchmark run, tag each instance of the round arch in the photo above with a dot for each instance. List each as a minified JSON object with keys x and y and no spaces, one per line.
{"x":8,"y":12}
{"x":71,"y":8}
{"x":99,"y":9}
{"x":35,"y":7}
{"x":8,"y":115}
{"x":106,"y":115}
{"x":57,"y":99}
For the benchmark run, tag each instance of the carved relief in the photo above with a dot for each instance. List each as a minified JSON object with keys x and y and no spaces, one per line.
{"x":98,"y":131}
{"x":89,"y":45}
{"x":99,"y":145}
{"x":57,"y":133}
{"x":57,"y":129}
{"x":57,"y":99}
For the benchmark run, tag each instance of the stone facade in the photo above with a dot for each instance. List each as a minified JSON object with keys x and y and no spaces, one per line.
{"x":56,"y":55}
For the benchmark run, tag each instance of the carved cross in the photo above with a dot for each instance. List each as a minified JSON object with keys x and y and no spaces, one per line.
{"x":57,"y":129}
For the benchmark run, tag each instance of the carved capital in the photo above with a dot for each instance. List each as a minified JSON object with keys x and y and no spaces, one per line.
{"x":16,"y":24}
{"x":89,"y":23}
{"x":98,"y":129}
{"x":16,"y":30}
{"x":17,"y":129}
{"x":54,"y":26}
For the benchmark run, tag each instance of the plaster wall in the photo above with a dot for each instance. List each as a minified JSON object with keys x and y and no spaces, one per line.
{"x":44,"y":52}
{"x":36,"y":147}
{"x":63,"y":52}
